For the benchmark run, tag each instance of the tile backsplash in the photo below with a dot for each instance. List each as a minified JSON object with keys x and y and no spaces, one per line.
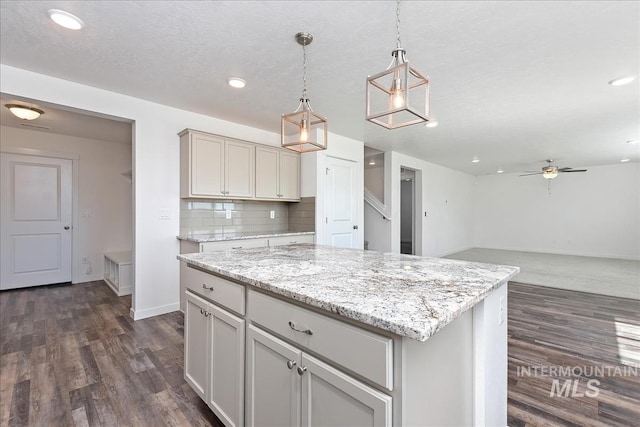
{"x":205,"y":217}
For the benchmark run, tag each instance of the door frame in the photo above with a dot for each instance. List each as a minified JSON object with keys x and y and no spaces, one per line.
{"x":75,"y":270}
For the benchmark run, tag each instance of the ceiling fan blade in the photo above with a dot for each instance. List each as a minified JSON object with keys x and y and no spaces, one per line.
{"x":531,"y":172}
{"x":573,"y":170}
{"x":527,"y":174}
{"x":564,"y":169}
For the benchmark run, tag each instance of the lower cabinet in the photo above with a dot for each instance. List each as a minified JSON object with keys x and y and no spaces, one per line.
{"x":309,"y":391}
{"x":214,"y":358}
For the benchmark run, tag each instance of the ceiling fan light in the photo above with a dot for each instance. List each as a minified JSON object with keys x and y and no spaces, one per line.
{"x":24,"y":112}
{"x":550,"y":174}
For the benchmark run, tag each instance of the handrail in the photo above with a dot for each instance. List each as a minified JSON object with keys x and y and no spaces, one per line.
{"x":376,"y":204}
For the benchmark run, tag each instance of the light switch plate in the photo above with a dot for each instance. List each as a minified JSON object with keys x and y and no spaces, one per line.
{"x":272,"y":214}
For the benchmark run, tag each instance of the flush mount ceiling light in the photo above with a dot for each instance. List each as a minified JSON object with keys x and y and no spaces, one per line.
{"x":622,"y":80}
{"x":633,"y":141}
{"x":65,"y":19}
{"x":372,"y":163}
{"x":475,"y":160}
{"x":236,"y":82}
{"x":398,"y":96}
{"x":303,"y":130}
{"x":499,"y":171}
{"x":625,"y":160}
{"x":24,"y":112}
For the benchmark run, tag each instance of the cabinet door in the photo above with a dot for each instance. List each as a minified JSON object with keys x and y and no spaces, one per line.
{"x":239,"y":169}
{"x":267,"y":173}
{"x":196,"y":344}
{"x":226,"y":396}
{"x":289,"y":176}
{"x":273,"y":385}
{"x":207,"y":165}
{"x":332,"y":398}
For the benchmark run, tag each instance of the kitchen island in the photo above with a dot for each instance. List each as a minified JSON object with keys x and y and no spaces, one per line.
{"x":314,"y":335}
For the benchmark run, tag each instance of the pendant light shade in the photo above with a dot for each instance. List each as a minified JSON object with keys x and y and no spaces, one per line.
{"x":24,"y":112}
{"x":398,"y":96}
{"x":304,"y":130}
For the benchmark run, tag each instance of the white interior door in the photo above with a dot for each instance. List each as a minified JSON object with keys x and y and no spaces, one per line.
{"x":341,"y":203}
{"x":35,"y":228}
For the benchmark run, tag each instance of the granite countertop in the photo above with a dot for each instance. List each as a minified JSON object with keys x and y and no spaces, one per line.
{"x":219,"y":237}
{"x":407,"y":295}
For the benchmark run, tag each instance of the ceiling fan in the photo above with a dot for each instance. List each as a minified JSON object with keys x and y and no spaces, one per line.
{"x":550,"y":172}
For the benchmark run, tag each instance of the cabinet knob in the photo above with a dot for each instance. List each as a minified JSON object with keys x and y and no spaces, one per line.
{"x":222,"y":191}
{"x":302,"y":370}
{"x":206,"y":314}
{"x":291,"y":364}
{"x":209,"y":288}
{"x":201,"y":311}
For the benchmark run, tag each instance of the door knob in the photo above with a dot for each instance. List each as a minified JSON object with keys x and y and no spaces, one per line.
{"x":66,"y":227}
{"x":355,"y":227}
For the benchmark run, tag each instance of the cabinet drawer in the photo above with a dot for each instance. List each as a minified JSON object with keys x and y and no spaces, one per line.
{"x":363,"y":352}
{"x":290,"y":240}
{"x":233,"y":244}
{"x":226,"y":293}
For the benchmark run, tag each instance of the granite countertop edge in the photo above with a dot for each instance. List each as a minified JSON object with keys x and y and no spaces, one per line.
{"x":204,"y":238}
{"x":324,"y":302}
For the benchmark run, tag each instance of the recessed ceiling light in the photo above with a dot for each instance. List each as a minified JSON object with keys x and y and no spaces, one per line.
{"x":237,"y":82}
{"x":432,"y":124}
{"x":500,"y":171}
{"x":624,"y":160}
{"x":372,"y":162}
{"x":622,"y":80}
{"x":65,"y":19}
{"x":633,"y":141}
{"x":475,"y":160}
{"x":24,"y":112}
{"x":407,"y":179}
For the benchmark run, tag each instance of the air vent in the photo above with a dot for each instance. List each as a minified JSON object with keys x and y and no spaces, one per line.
{"x":29,"y":125}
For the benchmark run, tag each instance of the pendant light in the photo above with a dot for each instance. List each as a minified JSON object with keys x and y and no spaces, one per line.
{"x":304,"y":130}
{"x":398,"y":96}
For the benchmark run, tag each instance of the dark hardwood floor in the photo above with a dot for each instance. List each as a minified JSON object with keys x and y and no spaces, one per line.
{"x":589,"y":334}
{"x":72,"y":355}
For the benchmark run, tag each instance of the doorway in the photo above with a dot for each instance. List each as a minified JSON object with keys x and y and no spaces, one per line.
{"x":407,"y":211}
{"x":35,"y":234}
{"x":341,"y":205}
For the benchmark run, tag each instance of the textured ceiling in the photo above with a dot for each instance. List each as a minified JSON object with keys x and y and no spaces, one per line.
{"x":513,"y":82}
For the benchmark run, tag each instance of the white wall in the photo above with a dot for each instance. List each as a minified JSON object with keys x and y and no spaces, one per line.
{"x":156,"y":164}
{"x":102,"y":191}
{"x":596,"y":213}
{"x":447,"y":198}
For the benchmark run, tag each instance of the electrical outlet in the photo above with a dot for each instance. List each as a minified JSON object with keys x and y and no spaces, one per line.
{"x":227,"y":214}
{"x":85,"y":260}
{"x":165,"y":213}
{"x":272,"y":214}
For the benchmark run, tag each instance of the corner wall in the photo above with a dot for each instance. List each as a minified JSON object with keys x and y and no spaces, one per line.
{"x":596,"y":213}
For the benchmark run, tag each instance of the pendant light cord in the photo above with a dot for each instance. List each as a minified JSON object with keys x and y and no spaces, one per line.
{"x":398,"y":24}
{"x":304,"y":71}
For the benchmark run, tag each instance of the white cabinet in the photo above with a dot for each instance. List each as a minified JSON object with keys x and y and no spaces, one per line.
{"x":277,"y":174}
{"x":291,"y":240}
{"x":214,"y":358}
{"x":309,"y":391}
{"x":118,"y":273}
{"x":215,"y":167}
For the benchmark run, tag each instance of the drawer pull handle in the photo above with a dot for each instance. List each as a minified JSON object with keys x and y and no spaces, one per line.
{"x":236,"y":247}
{"x":209,"y":288}
{"x":302,"y":370}
{"x":291,"y":364}
{"x":304,"y":331}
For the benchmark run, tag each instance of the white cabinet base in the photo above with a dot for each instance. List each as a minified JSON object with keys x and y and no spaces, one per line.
{"x":118,"y":273}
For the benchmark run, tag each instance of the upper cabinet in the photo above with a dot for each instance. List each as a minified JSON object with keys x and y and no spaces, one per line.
{"x":213,"y":166}
{"x":277,"y":174}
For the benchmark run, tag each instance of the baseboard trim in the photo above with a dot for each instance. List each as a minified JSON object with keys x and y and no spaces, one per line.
{"x":455,"y":251}
{"x":154,"y":311}
{"x":558,"y":252}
